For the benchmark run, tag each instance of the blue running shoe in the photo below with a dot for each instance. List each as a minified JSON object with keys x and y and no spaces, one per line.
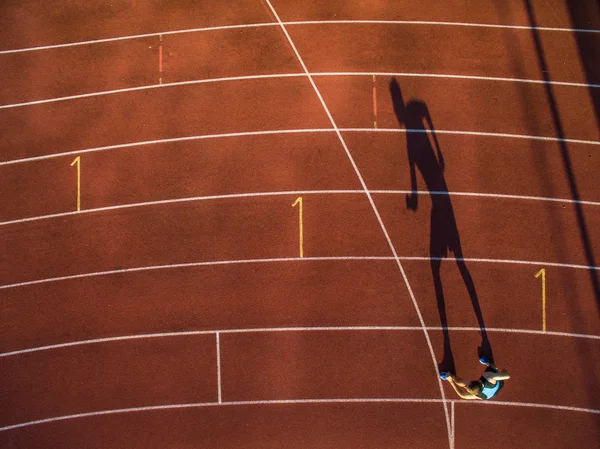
{"x":485,"y":361}
{"x":444,"y":375}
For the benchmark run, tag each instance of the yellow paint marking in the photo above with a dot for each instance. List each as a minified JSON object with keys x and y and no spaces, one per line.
{"x":542,"y":273}
{"x":301,"y":226}
{"x":77,"y":161}
{"x":160,"y":59}
{"x":374,"y":104}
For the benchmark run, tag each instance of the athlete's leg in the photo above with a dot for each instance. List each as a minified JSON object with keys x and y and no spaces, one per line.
{"x":459,"y":380}
{"x":495,"y":375}
{"x":460,"y":386}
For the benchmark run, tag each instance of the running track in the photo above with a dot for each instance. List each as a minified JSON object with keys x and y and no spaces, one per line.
{"x":174,"y":309}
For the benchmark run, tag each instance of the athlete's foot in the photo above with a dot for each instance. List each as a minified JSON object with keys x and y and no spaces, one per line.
{"x":485,"y":350}
{"x":485,"y":361}
{"x":445,"y":375}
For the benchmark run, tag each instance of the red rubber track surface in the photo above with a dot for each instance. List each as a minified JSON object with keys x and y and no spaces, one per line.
{"x":185,"y":317}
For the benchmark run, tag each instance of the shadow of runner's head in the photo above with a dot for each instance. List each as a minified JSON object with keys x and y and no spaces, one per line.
{"x":397,"y":100}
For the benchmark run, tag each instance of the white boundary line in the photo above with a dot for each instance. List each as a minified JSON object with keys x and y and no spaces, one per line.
{"x":154,"y":408}
{"x":459,"y":77}
{"x":296,"y":192}
{"x":307,"y":22}
{"x":452,"y":422}
{"x":218,"y":332}
{"x":288,"y":259}
{"x":292,"y":75}
{"x":151,"y":86}
{"x":379,"y":219}
{"x":292,"y":131}
{"x":218,"y":342}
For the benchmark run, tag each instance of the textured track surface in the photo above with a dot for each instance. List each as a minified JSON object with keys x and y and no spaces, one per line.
{"x":173,"y":309}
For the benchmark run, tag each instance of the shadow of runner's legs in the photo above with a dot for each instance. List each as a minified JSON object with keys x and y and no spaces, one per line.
{"x":428,"y":160}
{"x":485,"y":350}
{"x":447,"y":363}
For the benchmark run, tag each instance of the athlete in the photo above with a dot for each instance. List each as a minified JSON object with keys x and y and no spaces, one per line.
{"x":487,"y":387}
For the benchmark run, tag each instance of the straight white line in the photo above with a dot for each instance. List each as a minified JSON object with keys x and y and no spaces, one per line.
{"x":290,"y":75}
{"x":452,"y":421}
{"x":565,"y":408}
{"x":106,"y":340}
{"x":137,"y":36}
{"x":309,"y":22}
{"x":459,"y":77}
{"x":170,"y":140}
{"x":295,"y":192}
{"x":474,"y":133}
{"x":292,"y":131}
{"x":536,"y":332}
{"x":375,"y":211}
{"x":410,"y":328}
{"x":148,"y":87}
{"x":219,"y":367}
{"x":334,"y":401}
{"x":439,"y":23}
{"x":288,"y":259}
{"x":173,"y":201}
{"x":154,"y":408}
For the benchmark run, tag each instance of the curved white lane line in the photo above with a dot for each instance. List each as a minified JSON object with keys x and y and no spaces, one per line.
{"x":565,"y":408}
{"x":171,"y":140}
{"x":288,"y":259}
{"x":439,"y":23}
{"x":459,"y":77}
{"x":295,"y":192}
{"x":137,"y":36}
{"x":306,"y":22}
{"x":292,"y":131}
{"x":290,"y":75}
{"x":154,"y":408}
{"x":295,"y":329}
{"x":151,"y":86}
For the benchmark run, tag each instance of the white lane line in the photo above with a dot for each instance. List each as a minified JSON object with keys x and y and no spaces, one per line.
{"x":492,"y":195}
{"x":475,"y":133}
{"x":452,"y":421}
{"x":459,"y":77}
{"x":296,"y":23}
{"x":155,"y":408}
{"x":289,"y":75}
{"x":107,"y":340}
{"x":218,"y":332}
{"x":439,"y":23}
{"x":376,"y":212}
{"x":137,"y":36}
{"x":295,"y":192}
{"x":219,"y":393}
{"x":289,"y":259}
{"x":409,"y":328}
{"x":293,"y":131}
{"x":170,"y":140}
{"x":150,"y":86}
{"x":564,"y":408}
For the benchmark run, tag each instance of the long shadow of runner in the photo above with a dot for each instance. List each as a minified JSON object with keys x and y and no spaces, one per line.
{"x":444,"y":231}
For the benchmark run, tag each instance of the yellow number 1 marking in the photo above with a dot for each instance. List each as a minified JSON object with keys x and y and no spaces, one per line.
{"x":77,"y":161}
{"x":301,"y":227}
{"x":542,"y":273}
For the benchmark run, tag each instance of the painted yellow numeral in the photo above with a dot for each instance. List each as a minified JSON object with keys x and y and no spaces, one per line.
{"x":542,"y":273}
{"x":301,"y":225}
{"x":77,"y":161}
